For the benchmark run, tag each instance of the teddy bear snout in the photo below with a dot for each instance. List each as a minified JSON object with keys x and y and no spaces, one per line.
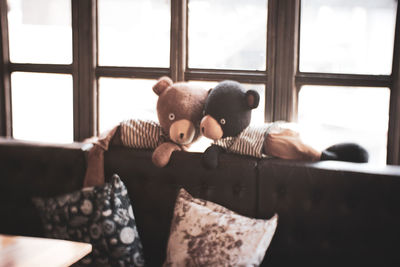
{"x":182,"y":132}
{"x":210,"y":128}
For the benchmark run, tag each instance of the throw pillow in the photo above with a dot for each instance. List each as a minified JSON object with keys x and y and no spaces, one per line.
{"x":206,"y":234}
{"x":100,"y":215}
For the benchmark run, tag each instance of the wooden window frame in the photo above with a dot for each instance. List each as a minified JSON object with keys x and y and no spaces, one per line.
{"x":393,"y":147}
{"x":282,"y":78}
{"x":5,"y":89}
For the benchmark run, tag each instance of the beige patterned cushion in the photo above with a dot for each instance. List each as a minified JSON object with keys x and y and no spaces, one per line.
{"x":206,"y":234}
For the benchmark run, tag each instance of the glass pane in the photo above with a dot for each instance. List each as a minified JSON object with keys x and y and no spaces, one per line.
{"x":257,"y":115}
{"x":42,"y":107}
{"x":40,"y":31}
{"x":134,"y":33}
{"x":122,"y":99}
{"x":330,"y":115}
{"x":227,"y":34}
{"x":342,"y":36}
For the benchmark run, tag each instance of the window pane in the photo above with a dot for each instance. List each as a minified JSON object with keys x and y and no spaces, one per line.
{"x":330,"y":115}
{"x":122,"y":99}
{"x":227,"y":34}
{"x":40,"y":31}
{"x":42,"y":107}
{"x":342,"y":36}
{"x":257,"y":115}
{"x":134,"y":33}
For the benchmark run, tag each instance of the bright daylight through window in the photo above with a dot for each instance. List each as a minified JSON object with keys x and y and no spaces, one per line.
{"x":205,"y":41}
{"x":350,"y":37}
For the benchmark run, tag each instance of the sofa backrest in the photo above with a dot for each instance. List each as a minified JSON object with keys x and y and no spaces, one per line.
{"x":330,"y":213}
{"x":153,"y":190}
{"x":29,"y":169}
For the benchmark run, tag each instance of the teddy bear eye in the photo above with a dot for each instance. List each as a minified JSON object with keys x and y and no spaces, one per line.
{"x":222,"y":121}
{"x":171,"y":116}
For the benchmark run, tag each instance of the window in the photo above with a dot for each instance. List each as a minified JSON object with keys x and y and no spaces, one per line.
{"x":42,"y":107}
{"x":223,"y":41}
{"x":122,"y":99}
{"x":92,"y":63}
{"x":347,"y":36}
{"x":131,"y":34}
{"x":42,"y":103}
{"x":335,"y":114}
{"x":40,"y":31}
{"x":337,"y":40}
{"x":223,"y":47}
{"x":134,"y":33}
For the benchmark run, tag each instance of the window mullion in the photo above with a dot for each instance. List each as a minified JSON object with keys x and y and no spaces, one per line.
{"x":84,"y":63}
{"x":285,"y":62}
{"x":272,"y":25}
{"x":178,"y":39}
{"x":314,"y":78}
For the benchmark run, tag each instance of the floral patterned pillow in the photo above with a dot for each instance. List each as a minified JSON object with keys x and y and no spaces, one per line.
{"x":206,"y":234}
{"x":100,"y":215}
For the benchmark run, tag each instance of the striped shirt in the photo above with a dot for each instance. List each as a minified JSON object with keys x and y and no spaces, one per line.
{"x":250,"y":141}
{"x":142,"y":134}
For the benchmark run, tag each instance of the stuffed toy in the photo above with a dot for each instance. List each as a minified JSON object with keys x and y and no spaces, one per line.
{"x":226,"y":120}
{"x":179,"y":110}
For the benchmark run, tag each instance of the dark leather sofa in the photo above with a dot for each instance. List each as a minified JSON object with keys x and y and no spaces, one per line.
{"x":330,"y":213}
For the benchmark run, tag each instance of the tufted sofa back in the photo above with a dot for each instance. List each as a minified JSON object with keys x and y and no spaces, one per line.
{"x":153,"y":190}
{"x":30,"y":169}
{"x":330,"y":213}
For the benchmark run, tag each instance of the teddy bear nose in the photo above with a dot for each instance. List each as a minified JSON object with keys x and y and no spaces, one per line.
{"x":181,"y":135}
{"x":202,"y":129}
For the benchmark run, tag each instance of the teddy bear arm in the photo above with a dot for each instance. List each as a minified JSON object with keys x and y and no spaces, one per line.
{"x":286,"y":145}
{"x":162,"y":153}
{"x":211,"y":155}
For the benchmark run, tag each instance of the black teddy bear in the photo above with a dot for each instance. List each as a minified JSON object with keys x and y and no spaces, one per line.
{"x":226,"y":120}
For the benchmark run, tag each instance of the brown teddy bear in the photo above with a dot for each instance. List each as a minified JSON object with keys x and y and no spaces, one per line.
{"x":179,"y":109}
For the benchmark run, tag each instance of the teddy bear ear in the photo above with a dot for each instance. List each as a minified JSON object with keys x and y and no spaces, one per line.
{"x":162,"y":84}
{"x":252,"y":99}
